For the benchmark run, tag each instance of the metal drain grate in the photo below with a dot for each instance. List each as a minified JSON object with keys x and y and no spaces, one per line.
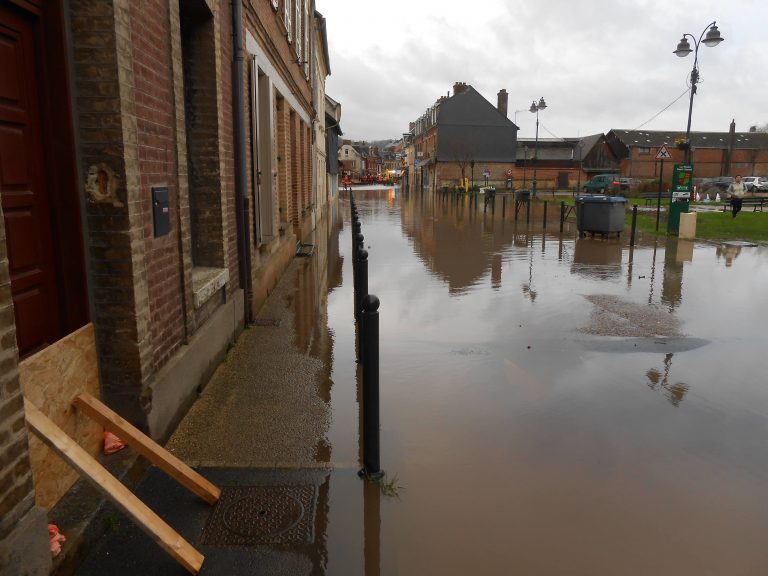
{"x":267,"y":322}
{"x":248,"y":515}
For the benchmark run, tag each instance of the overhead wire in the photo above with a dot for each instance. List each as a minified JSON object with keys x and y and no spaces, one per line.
{"x":662,"y":110}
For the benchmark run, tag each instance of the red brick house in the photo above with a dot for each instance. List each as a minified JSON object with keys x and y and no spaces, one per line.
{"x":712,"y":153}
{"x":462,"y":136}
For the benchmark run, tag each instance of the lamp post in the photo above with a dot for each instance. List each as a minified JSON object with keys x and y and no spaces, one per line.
{"x":535,"y":107}
{"x":578,"y":184}
{"x":472,"y":168}
{"x":525,"y":159}
{"x":711,"y":39}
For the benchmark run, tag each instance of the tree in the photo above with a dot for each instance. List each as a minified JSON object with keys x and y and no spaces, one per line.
{"x":460,"y":153}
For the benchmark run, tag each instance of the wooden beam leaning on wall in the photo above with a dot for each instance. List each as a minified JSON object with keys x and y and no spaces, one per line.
{"x":181,"y":550}
{"x":148,"y":448}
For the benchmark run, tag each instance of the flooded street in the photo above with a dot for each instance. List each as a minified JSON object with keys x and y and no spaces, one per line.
{"x":549,"y":404}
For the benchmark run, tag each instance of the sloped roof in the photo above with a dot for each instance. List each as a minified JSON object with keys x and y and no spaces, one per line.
{"x":655,"y":138}
{"x":470,"y":108}
{"x":557,"y":148}
{"x":471,"y":127}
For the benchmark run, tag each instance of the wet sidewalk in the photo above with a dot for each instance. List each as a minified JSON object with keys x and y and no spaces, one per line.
{"x":257,"y":431}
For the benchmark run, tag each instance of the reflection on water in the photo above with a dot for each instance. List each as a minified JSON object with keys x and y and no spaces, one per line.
{"x":530,"y":405}
{"x":728,"y":252}
{"x":659,"y":380}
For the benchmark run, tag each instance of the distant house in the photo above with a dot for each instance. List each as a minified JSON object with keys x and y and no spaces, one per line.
{"x":463,"y":136}
{"x":712,"y":153}
{"x":563,"y":163}
{"x":351,"y":160}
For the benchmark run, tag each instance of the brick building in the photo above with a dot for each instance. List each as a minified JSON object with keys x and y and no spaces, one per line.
{"x":462,"y":136}
{"x":155,"y":178}
{"x":712,"y":153}
{"x":563,"y":163}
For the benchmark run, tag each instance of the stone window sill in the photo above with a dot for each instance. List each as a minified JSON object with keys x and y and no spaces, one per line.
{"x":206,"y":282}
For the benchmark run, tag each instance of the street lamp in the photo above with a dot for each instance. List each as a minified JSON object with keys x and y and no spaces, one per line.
{"x":472,"y":167}
{"x":581,"y":164}
{"x":535,"y":107}
{"x":525,"y":158}
{"x":712,"y":38}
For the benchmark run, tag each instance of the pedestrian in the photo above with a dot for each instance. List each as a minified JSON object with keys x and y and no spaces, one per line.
{"x":737,"y":191}
{"x":346,"y":182}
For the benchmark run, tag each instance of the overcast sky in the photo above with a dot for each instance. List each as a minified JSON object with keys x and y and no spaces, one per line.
{"x":599,"y":64}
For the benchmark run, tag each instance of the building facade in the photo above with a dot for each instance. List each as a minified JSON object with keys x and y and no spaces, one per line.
{"x":460,"y":134}
{"x":712,"y":153}
{"x":156,"y":173}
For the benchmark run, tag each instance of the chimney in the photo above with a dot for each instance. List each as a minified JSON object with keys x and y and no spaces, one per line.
{"x":731,"y":146}
{"x":503,"y":98}
{"x":459,"y":87}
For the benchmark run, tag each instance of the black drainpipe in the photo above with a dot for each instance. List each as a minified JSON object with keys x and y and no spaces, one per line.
{"x":241,"y":173}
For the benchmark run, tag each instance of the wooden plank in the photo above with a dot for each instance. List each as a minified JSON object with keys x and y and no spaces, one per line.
{"x":181,"y":550}
{"x":148,"y":448}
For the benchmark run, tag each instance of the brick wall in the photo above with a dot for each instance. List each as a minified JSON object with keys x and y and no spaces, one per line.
{"x":292,"y":143}
{"x":708,"y":163}
{"x":154,"y":108}
{"x":108,"y":134}
{"x":227,"y":142}
{"x":16,"y":494}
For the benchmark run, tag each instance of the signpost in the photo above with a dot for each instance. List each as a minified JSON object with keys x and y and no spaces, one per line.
{"x":680,"y":193}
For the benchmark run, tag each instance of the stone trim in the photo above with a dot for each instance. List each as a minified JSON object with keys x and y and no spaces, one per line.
{"x":206,"y":282}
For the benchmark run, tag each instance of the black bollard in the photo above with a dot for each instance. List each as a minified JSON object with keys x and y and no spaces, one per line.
{"x":356,"y":227}
{"x":370,"y":327}
{"x":357,"y":295}
{"x":361,"y":284}
{"x":545,"y":214}
{"x":528,"y":211}
{"x":634,"y":225}
{"x":562,"y":215}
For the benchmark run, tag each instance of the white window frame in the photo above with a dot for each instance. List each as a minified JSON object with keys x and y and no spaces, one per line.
{"x":287,"y":19}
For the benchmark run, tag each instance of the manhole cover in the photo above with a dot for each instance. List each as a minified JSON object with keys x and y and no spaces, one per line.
{"x":248,"y":515}
{"x":267,"y":322}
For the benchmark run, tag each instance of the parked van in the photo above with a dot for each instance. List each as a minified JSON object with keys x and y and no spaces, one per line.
{"x":603,"y":184}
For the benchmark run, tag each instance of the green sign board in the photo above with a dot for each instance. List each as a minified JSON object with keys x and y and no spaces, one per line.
{"x":682,"y":178}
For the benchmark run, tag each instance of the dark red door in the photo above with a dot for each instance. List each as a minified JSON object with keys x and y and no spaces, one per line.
{"x":23,"y":188}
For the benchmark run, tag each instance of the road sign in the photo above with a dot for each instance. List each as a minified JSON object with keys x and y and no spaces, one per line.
{"x":509,"y":173}
{"x":486,"y":172}
{"x":682,"y":178}
{"x":663,"y":153}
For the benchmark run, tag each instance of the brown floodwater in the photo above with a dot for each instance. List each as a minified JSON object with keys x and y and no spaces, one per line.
{"x":549,"y":404}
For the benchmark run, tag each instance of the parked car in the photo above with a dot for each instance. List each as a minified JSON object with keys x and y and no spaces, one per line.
{"x":722,"y":182}
{"x":603,"y":184}
{"x":625,"y":183}
{"x":751,"y":183}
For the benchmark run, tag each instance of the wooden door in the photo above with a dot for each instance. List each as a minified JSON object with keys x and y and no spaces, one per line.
{"x":23,"y":188}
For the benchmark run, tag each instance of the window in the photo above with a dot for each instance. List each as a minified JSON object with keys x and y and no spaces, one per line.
{"x":306,"y":39}
{"x":299,"y":28}
{"x":644,"y":150}
{"x":287,"y":18}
